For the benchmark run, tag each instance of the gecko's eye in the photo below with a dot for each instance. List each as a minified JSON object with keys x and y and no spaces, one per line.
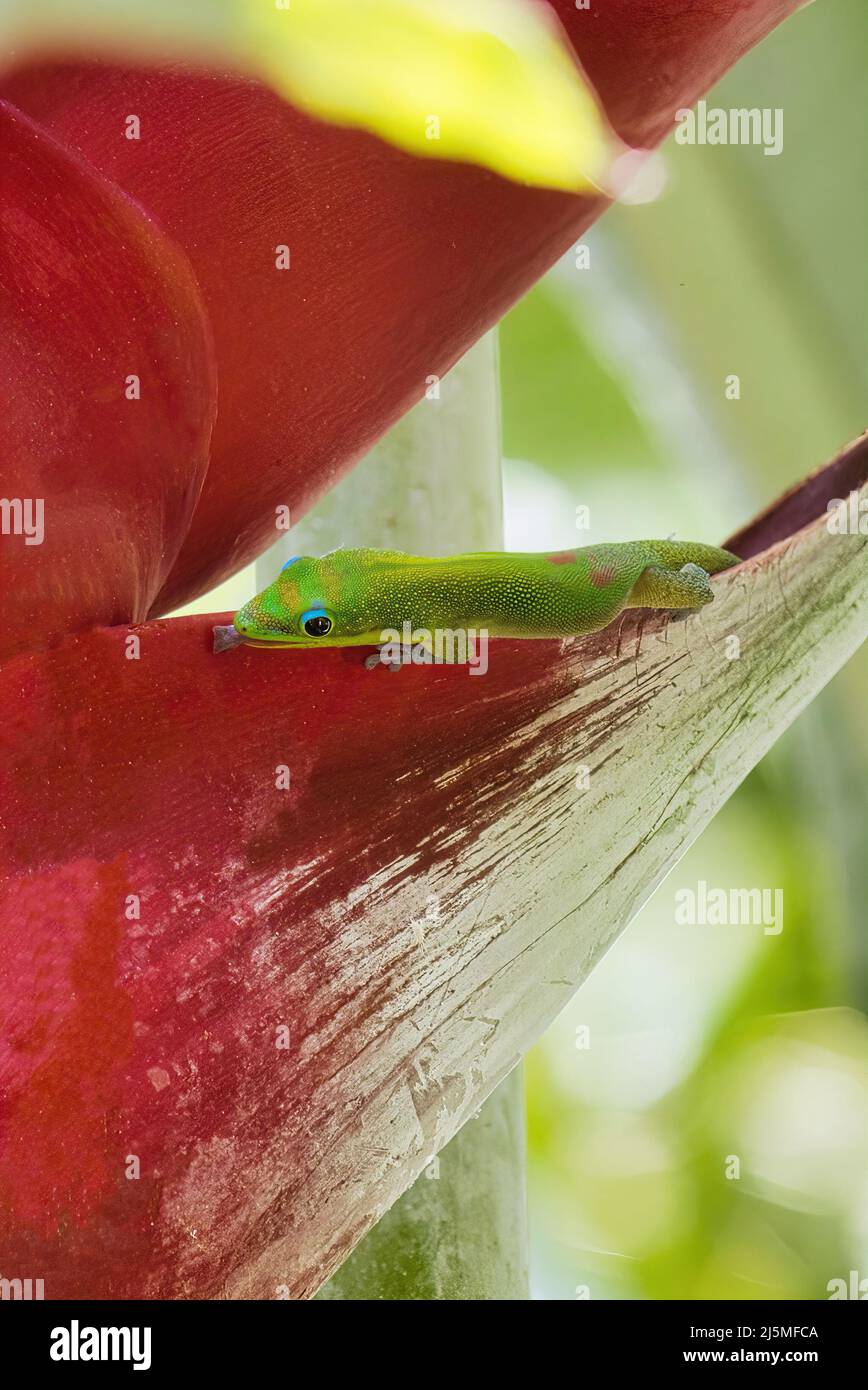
{"x":316,"y":623}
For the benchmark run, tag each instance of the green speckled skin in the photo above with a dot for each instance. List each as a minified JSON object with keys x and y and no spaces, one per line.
{"x":366,"y":592}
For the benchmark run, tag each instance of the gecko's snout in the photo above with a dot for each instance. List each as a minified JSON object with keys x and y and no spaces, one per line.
{"x":241,"y":620}
{"x":254,"y":623}
{"x":234,"y":633}
{"x":245,"y":623}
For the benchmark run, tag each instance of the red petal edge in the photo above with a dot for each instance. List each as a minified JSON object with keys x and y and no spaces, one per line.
{"x":94,"y":295}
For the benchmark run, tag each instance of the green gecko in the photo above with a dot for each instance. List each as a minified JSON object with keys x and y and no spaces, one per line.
{"x":368,"y":597}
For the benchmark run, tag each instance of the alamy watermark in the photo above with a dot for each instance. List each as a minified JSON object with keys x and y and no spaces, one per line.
{"x":24,"y":1289}
{"x":730,"y":907}
{"x":851,"y":1288}
{"x":736,"y":126}
{"x":77,"y":1343}
{"x":441,"y":646}
{"x":847,"y":516}
{"x":23,"y":516}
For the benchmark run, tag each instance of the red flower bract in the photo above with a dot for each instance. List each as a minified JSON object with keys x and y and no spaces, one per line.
{"x":97,"y":303}
{"x":397,"y":264}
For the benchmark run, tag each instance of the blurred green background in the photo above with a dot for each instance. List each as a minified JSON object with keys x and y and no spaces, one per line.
{"x":708,"y":1042}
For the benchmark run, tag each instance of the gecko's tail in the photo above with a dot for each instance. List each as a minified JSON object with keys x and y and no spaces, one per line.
{"x":673,"y":554}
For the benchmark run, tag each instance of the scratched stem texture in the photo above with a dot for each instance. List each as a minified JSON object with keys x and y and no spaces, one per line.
{"x":263,"y":908}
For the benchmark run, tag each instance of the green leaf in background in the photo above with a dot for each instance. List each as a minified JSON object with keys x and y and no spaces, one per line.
{"x":756,"y":265}
{"x":492,"y":82}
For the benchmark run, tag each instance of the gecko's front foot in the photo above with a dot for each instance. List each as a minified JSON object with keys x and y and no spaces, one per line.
{"x":687,"y":587}
{"x":699,"y":582}
{"x":378,"y":658}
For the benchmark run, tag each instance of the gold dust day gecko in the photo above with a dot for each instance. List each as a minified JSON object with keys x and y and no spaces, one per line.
{"x":353,"y":597}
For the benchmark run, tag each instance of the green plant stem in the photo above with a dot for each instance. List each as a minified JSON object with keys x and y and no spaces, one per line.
{"x":433,"y":485}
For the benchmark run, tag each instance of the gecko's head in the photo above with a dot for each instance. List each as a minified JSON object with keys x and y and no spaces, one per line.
{"x":309,"y":604}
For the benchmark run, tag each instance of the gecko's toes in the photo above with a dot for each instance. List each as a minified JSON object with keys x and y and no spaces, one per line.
{"x":381,"y":658}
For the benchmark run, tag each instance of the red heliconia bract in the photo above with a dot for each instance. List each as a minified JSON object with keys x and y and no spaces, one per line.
{"x":398,"y":264}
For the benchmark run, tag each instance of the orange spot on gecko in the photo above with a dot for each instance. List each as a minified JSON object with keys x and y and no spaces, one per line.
{"x":563,"y":557}
{"x":602,"y":576}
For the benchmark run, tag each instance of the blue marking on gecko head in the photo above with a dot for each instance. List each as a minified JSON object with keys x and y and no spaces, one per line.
{"x":290,"y":561}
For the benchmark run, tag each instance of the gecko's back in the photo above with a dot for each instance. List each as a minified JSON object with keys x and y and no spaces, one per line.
{"x":548,"y":594}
